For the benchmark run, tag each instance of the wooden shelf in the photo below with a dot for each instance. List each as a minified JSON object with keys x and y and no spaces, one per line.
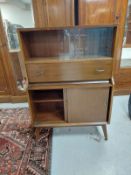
{"x":50,"y":117}
{"x":47,"y":101}
{"x":57,"y":59}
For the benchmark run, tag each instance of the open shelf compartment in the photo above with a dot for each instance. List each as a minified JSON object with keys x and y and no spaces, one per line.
{"x":50,"y":112}
{"x":47,"y":96}
{"x":47,"y":106}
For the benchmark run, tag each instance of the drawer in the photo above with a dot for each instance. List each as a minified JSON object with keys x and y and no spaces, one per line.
{"x":69,"y":71}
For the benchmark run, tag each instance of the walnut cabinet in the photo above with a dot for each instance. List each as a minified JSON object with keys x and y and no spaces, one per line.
{"x":69,"y":81}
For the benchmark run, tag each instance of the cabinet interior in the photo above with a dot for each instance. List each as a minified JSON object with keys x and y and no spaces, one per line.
{"x":68,"y":43}
{"x":48,"y":105}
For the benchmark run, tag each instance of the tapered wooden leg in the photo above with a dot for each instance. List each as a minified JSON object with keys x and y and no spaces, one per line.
{"x":37,"y":133}
{"x":104,"y":128}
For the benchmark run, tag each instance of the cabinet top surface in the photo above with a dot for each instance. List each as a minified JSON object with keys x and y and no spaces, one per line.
{"x":62,"y":28}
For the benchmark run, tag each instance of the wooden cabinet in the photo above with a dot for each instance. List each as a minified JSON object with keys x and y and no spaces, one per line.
{"x":87,"y":104}
{"x":97,"y":12}
{"x":69,"y":70}
{"x":53,"y":13}
{"x":65,"y":13}
{"x":69,"y":74}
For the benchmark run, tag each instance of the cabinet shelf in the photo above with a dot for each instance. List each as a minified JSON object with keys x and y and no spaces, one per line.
{"x":47,"y":101}
{"x":50,"y":112}
{"x":50,"y":117}
{"x":57,"y":59}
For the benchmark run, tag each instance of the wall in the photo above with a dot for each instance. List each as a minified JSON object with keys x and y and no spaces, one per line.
{"x":17,"y":12}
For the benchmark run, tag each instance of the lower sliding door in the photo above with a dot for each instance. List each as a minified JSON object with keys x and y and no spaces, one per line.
{"x":87,"y":104}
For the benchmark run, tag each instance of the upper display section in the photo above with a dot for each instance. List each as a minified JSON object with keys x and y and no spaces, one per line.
{"x":68,"y":43}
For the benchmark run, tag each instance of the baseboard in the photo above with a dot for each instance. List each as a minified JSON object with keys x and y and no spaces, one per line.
{"x":122,"y":89}
{"x":13,"y":99}
{"x":19,"y":99}
{"x":5,"y":98}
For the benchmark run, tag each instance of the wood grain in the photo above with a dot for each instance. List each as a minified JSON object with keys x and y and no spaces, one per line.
{"x":122,"y":76}
{"x":97,"y":12}
{"x":16,"y":65}
{"x":94,"y":104}
{"x":65,"y":124}
{"x":69,"y":71}
{"x":53,"y":13}
{"x":9,"y":92}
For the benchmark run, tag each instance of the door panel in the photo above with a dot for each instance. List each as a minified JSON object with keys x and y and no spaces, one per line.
{"x":53,"y":13}
{"x":96,"y":12}
{"x":87,"y":104}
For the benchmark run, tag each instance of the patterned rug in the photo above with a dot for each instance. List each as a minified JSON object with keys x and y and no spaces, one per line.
{"x":21,"y":152}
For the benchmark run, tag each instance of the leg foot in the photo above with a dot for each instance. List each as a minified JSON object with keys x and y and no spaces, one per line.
{"x":104,"y":128}
{"x":37,"y":133}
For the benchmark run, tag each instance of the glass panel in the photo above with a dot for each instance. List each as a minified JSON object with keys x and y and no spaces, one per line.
{"x":69,"y":43}
{"x":126,"y":50}
{"x":16,"y":14}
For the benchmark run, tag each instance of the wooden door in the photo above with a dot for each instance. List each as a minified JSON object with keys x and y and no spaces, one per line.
{"x":97,"y":12}
{"x":87,"y":104}
{"x":53,"y":13}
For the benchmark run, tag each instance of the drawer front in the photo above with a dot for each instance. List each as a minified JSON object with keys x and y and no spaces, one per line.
{"x":94,"y":106}
{"x":69,"y":71}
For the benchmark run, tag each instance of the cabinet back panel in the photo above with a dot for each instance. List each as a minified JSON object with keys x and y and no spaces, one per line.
{"x":53,"y":13}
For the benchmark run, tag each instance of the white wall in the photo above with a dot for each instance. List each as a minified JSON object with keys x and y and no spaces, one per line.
{"x":17,"y":13}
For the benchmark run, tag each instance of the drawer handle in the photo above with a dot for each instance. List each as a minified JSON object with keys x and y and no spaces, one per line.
{"x":100,"y":70}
